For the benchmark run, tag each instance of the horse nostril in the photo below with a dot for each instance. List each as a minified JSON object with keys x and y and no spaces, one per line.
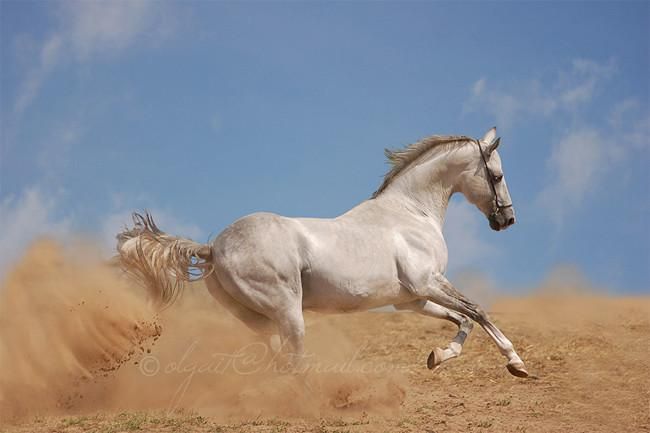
{"x":511,"y":221}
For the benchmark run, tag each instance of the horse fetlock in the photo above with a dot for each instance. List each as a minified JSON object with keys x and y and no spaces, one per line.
{"x":460,"y":337}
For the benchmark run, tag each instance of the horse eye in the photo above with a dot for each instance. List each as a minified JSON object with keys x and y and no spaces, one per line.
{"x":498,"y":178}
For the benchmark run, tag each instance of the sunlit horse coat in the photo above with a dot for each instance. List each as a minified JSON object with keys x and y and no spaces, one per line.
{"x":266,"y":268}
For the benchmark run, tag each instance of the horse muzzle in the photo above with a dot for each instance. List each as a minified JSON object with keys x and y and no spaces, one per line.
{"x":502,"y":219}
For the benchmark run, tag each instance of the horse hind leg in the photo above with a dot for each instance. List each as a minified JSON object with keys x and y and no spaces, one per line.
{"x":428,"y":308}
{"x":256,"y":322}
{"x":291,"y":324}
{"x":267,"y":309}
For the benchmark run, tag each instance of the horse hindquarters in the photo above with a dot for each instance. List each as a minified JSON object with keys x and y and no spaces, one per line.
{"x":257,"y":263}
{"x":258,"y":323}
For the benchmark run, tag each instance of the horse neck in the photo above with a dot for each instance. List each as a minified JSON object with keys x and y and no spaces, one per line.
{"x":425,"y":189}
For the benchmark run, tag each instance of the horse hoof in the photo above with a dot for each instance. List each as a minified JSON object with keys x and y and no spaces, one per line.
{"x":434,"y":359}
{"x":517,"y":369}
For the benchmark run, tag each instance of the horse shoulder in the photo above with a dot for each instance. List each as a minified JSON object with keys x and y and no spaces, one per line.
{"x":419,"y":254}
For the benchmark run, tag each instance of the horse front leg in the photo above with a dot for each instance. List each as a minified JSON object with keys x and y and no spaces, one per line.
{"x":428,"y":308}
{"x":440,"y":291}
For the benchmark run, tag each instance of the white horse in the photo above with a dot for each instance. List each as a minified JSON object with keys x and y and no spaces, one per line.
{"x":266,"y":268}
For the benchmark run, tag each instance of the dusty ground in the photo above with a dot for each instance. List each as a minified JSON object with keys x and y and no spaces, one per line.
{"x":590,"y":355}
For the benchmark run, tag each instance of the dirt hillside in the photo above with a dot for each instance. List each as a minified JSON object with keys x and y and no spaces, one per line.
{"x":80,"y":350}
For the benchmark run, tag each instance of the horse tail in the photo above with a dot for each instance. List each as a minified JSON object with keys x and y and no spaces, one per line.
{"x":159,"y":262}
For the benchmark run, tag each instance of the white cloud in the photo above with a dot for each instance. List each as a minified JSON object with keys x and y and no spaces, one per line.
{"x":503,"y":106}
{"x":637,"y":135}
{"x":105,"y":26}
{"x":463,"y":224}
{"x":585,"y":153}
{"x":583,"y":158}
{"x":621,"y":111}
{"x":571,"y":89}
{"x":53,"y":154}
{"x":34,"y":78}
{"x":575,"y":163}
{"x":93,"y":28}
{"x":579,"y":85}
{"x":25,"y":218}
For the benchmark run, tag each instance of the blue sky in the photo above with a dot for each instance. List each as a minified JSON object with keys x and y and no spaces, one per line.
{"x":206,"y":111}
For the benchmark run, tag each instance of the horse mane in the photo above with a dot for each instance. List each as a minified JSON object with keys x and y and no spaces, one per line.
{"x":401,"y":159}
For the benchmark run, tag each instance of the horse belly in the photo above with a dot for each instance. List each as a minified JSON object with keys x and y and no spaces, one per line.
{"x":338,"y":290}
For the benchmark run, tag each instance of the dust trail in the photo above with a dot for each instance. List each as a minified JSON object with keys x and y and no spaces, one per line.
{"x":207,"y":361}
{"x":63,"y":322}
{"x":76,"y":337}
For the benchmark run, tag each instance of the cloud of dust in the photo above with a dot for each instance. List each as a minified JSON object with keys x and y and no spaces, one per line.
{"x":564,"y":297}
{"x":477,"y":286}
{"x":64,"y":322}
{"x":566,"y":279}
{"x":76,"y":337}
{"x":207,"y":361}
{"x":561,"y":280}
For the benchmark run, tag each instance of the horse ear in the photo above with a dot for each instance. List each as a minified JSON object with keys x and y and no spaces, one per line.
{"x":492,"y":147}
{"x":490,"y":136}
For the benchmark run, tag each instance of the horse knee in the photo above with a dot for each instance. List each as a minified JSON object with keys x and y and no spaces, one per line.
{"x":466,"y":324}
{"x":463,"y":322}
